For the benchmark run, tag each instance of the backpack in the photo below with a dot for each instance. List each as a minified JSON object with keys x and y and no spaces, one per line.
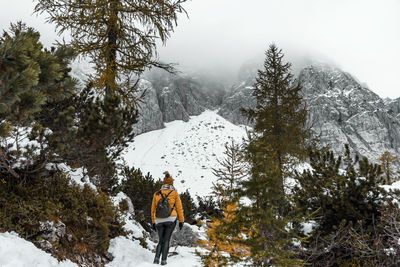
{"x":163,"y":209}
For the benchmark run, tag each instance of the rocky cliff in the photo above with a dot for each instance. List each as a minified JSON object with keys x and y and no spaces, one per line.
{"x":174,"y":97}
{"x":341,"y":110}
{"x":151,"y":117}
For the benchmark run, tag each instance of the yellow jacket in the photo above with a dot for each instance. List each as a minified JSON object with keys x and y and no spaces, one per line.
{"x":173,"y":199}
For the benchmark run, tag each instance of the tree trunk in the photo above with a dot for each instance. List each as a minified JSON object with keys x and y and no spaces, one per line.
{"x":111,"y":51}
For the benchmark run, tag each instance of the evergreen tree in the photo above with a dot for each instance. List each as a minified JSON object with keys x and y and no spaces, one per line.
{"x":189,"y":207}
{"x":118,"y":35}
{"x":386,"y":162}
{"x":208,"y":208}
{"x":140,"y":189}
{"x":32,"y":79}
{"x":277,"y":143}
{"x":30,"y":76}
{"x":345,"y":198}
{"x":222,"y":248}
{"x":280,"y":115}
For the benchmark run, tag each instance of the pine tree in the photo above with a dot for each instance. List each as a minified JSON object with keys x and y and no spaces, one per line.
{"x":29,"y":75}
{"x":32,"y":80}
{"x":386,"y":163}
{"x":140,"y":189}
{"x":280,"y":115}
{"x":223,"y":246}
{"x":118,"y":35}
{"x":233,"y":169}
{"x":345,"y":198}
{"x":189,"y":207}
{"x":277,"y":143}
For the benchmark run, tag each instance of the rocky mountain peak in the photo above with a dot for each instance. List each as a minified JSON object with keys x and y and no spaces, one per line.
{"x":320,"y":79}
{"x":341,"y":110}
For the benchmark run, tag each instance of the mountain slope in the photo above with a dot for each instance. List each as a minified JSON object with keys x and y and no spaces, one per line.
{"x":188,"y":150}
{"x":344,"y":111}
{"x":341,"y":110}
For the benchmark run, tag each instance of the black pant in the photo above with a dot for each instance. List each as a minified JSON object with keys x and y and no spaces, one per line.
{"x":164,"y":231}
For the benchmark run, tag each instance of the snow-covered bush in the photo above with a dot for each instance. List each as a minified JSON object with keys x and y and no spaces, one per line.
{"x":346,"y":202}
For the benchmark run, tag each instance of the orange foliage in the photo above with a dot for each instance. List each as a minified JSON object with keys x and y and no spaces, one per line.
{"x":221,"y":246}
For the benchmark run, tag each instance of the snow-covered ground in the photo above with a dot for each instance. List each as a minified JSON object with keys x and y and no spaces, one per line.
{"x":188,"y":150}
{"x":17,"y":252}
{"x":130,"y":253}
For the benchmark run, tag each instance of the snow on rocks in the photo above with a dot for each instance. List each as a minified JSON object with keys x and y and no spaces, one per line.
{"x":77,"y":175}
{"x":133,"y":228}
{"x":52,"y":231}
{"x":17,"y":252}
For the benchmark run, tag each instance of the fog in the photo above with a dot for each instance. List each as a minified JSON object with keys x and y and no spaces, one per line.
{"x":360,"y":36}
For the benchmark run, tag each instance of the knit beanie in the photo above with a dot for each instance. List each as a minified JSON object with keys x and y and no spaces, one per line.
{"x":168,"y":179}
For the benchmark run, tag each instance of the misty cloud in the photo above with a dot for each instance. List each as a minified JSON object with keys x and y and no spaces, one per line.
{"x":360,"y":36}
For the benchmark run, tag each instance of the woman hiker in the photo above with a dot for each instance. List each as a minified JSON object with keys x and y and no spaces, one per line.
{"x":166,"y":206}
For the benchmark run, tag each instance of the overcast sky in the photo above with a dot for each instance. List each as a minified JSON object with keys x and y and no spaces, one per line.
{"x":360,"y":36}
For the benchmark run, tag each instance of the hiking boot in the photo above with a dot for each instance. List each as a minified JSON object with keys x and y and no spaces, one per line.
{"x":156,"y":261}
{"x":163,"y":262}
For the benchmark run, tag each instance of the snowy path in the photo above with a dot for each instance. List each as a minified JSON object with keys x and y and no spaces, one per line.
{"x":17,"y":252}
{"x":152,"y":147}
{"x":130,"y":254}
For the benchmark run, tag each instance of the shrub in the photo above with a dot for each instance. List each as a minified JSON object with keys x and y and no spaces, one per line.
{"x":189,"y":207}
{"x":346,"y":201}
{"x":140,"y":190}
{"x":208,"y":208}
{"x":90,"y":218}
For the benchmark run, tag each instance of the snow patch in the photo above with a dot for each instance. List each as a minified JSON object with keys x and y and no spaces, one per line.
{"x":17,"y":252}
{"x":308,"y":227}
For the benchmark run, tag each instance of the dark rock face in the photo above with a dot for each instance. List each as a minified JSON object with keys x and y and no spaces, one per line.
{"x":180,"y":98}
{"x":393,"y":107}
{"x":150,"y":117}
{"x":241,"y":97}
{"x":172,"y":98}
{"x":172,"y":106}
{"x":343,"y":111}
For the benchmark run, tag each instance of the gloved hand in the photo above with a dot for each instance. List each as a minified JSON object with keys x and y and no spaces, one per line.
{"x":154,"y":227}
{"x":180,"y":225}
